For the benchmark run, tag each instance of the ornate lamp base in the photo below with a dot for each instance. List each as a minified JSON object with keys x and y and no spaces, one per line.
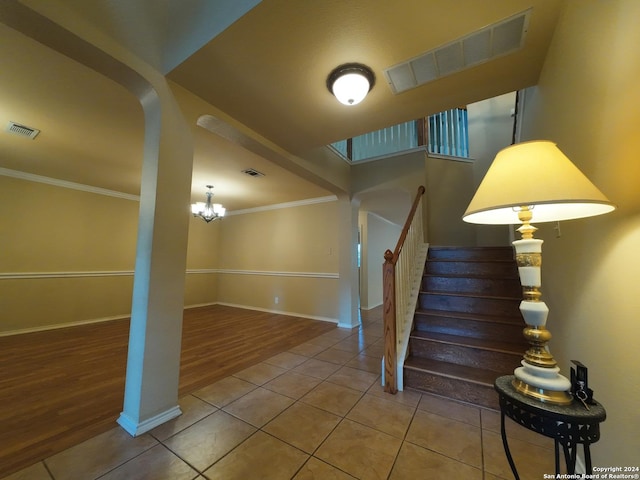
{"x":543,"y":384}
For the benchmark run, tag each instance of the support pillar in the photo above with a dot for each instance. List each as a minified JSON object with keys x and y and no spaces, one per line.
{"x":348,"y":312}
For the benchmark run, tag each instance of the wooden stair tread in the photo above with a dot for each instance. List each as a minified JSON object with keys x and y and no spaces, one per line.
{"x":479,"y":317}
{"x":451,"y":370}
{"x":484,"y":344}
{"x":467,"y":295}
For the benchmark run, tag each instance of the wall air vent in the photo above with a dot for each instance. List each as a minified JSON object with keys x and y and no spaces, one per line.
{"x":478,"y":47}
{"x":253,"y":173}
{"x":22,"y":130}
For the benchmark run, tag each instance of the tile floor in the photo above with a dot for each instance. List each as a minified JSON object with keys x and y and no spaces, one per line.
{"x":316,"y":411}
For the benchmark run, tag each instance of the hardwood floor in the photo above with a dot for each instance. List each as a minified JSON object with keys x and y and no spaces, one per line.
{"x":61,"y":387}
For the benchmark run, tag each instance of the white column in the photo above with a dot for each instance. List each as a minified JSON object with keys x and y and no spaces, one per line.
{"x":153,"y":364}
{"x":348,"y":312}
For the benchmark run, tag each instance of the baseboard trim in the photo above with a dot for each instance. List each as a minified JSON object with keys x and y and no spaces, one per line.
{"x":135,"y":429}
{"x":280,"y":312}
{"x":78,"y":323}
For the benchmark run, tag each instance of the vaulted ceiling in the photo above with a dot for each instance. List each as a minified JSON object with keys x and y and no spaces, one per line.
{"x":262,"y":63}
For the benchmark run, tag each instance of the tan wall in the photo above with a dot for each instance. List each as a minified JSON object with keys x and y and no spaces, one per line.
{"x":289,"y":253}
{"x":203,"y":250}
{"x":449,"y":191}
{"x":490,"y":130}
{"x":79,"y":252}
{"x":377,"y":235}
{"x":588,"y":101}
{"x":73,"y":233}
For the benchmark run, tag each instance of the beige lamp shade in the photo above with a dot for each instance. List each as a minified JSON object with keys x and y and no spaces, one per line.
{"x":539,"y":176}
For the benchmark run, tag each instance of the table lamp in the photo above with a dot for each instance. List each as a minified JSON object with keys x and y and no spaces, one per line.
{"x":535,"y":181}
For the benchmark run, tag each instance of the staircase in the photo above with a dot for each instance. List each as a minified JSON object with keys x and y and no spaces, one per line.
{"x":467,"y":329}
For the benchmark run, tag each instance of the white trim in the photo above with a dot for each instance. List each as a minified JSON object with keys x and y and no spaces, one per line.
{"x":66,"y":184}
{"x":35,"y":275}
{"x":190,"y":271}
{"x":281,"y":312}
{"x":277,"y":206}
{"x":451,"y":158}
{"x":279,"y":274}
{"x":57,"y":326}
{"x":112,"y":193}
{"x":134,"y":428}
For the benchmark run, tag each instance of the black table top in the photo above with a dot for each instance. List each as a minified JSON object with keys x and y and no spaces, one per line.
{"x":574,"y":412}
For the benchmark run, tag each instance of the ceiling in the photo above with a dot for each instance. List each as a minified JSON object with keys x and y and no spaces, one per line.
{"x":266,"y":69}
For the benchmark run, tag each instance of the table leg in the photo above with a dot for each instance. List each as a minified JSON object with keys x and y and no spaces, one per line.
{"x":587,"y":459}
{"x":506,"y":446}
{"x":557,"y":457}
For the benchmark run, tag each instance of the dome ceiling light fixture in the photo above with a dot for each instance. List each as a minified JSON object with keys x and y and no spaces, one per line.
{"x":351,"y":82}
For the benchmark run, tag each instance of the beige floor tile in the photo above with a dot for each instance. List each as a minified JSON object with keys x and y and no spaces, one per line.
{"x":415,"y":462}
{"x":158,"y":463}
{"x":292,"y":384}
{"x":307,"y":349}
{"x":375,"y":350}
{"x":98,"y":455}
{"x":224,"y":391}
{"x":317,"y":368}
{"x":261,"y":456}
{"x":332,"y":398}
{"x":35,"y":472}
{"x":353,"y":378}
{"x":489,"y":476}
{"x":204,"y":443}
{"x":491,"y":421}
{"x":366,"y":363}
{"x":335,"y":355}
{"x":360,"y":451}
{"x":316,"y":469}
{"x":452,"y":438}
{"x":324,"y":341}
{"x":351,"y":345}
{"x":193,"y":409}
{"x":259,"y":406}
{"x":384,"y":415}
{"x":450,"y":409}
{"x":410,"y":398}
{"x":337,"y":334}
{"x":286,"y":360}
{"x":532,"y":461}
{"x":303,"y":426}
{"x":259,"y":373}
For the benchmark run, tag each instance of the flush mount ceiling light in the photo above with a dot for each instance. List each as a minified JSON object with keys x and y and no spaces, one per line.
{"x":351,"y":82}
{"x":208,"y":211}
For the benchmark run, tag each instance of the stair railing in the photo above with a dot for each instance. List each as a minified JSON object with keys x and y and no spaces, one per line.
{"x":401,"y":276}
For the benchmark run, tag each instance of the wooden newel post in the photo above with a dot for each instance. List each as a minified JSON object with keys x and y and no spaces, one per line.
{"x":389,"y":319}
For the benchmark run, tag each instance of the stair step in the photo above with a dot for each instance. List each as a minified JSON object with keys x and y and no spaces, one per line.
{"x":500,"y":357}
{"x":476,"y":284}
{"x":487,"y":327}
{"x":470,"y":303}
{"x":469,"y":384}
{"x":502,"y":269}
{"x":482,"y":344}
{"x":471,"y":253}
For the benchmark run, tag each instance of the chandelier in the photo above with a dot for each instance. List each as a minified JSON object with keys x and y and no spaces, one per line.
{"x":208,"y":211}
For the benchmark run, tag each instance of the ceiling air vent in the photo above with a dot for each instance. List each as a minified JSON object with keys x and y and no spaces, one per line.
{"x":22,"y":130}
{"x":478,"y":47}
{"x":253,"y":173}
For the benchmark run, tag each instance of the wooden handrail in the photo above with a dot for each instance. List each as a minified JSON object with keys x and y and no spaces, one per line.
{"x":407,"y":224}
{"x":390,"y":304}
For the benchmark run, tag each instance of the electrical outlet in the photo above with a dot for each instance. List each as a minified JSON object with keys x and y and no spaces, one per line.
{"x":277,"y":300}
